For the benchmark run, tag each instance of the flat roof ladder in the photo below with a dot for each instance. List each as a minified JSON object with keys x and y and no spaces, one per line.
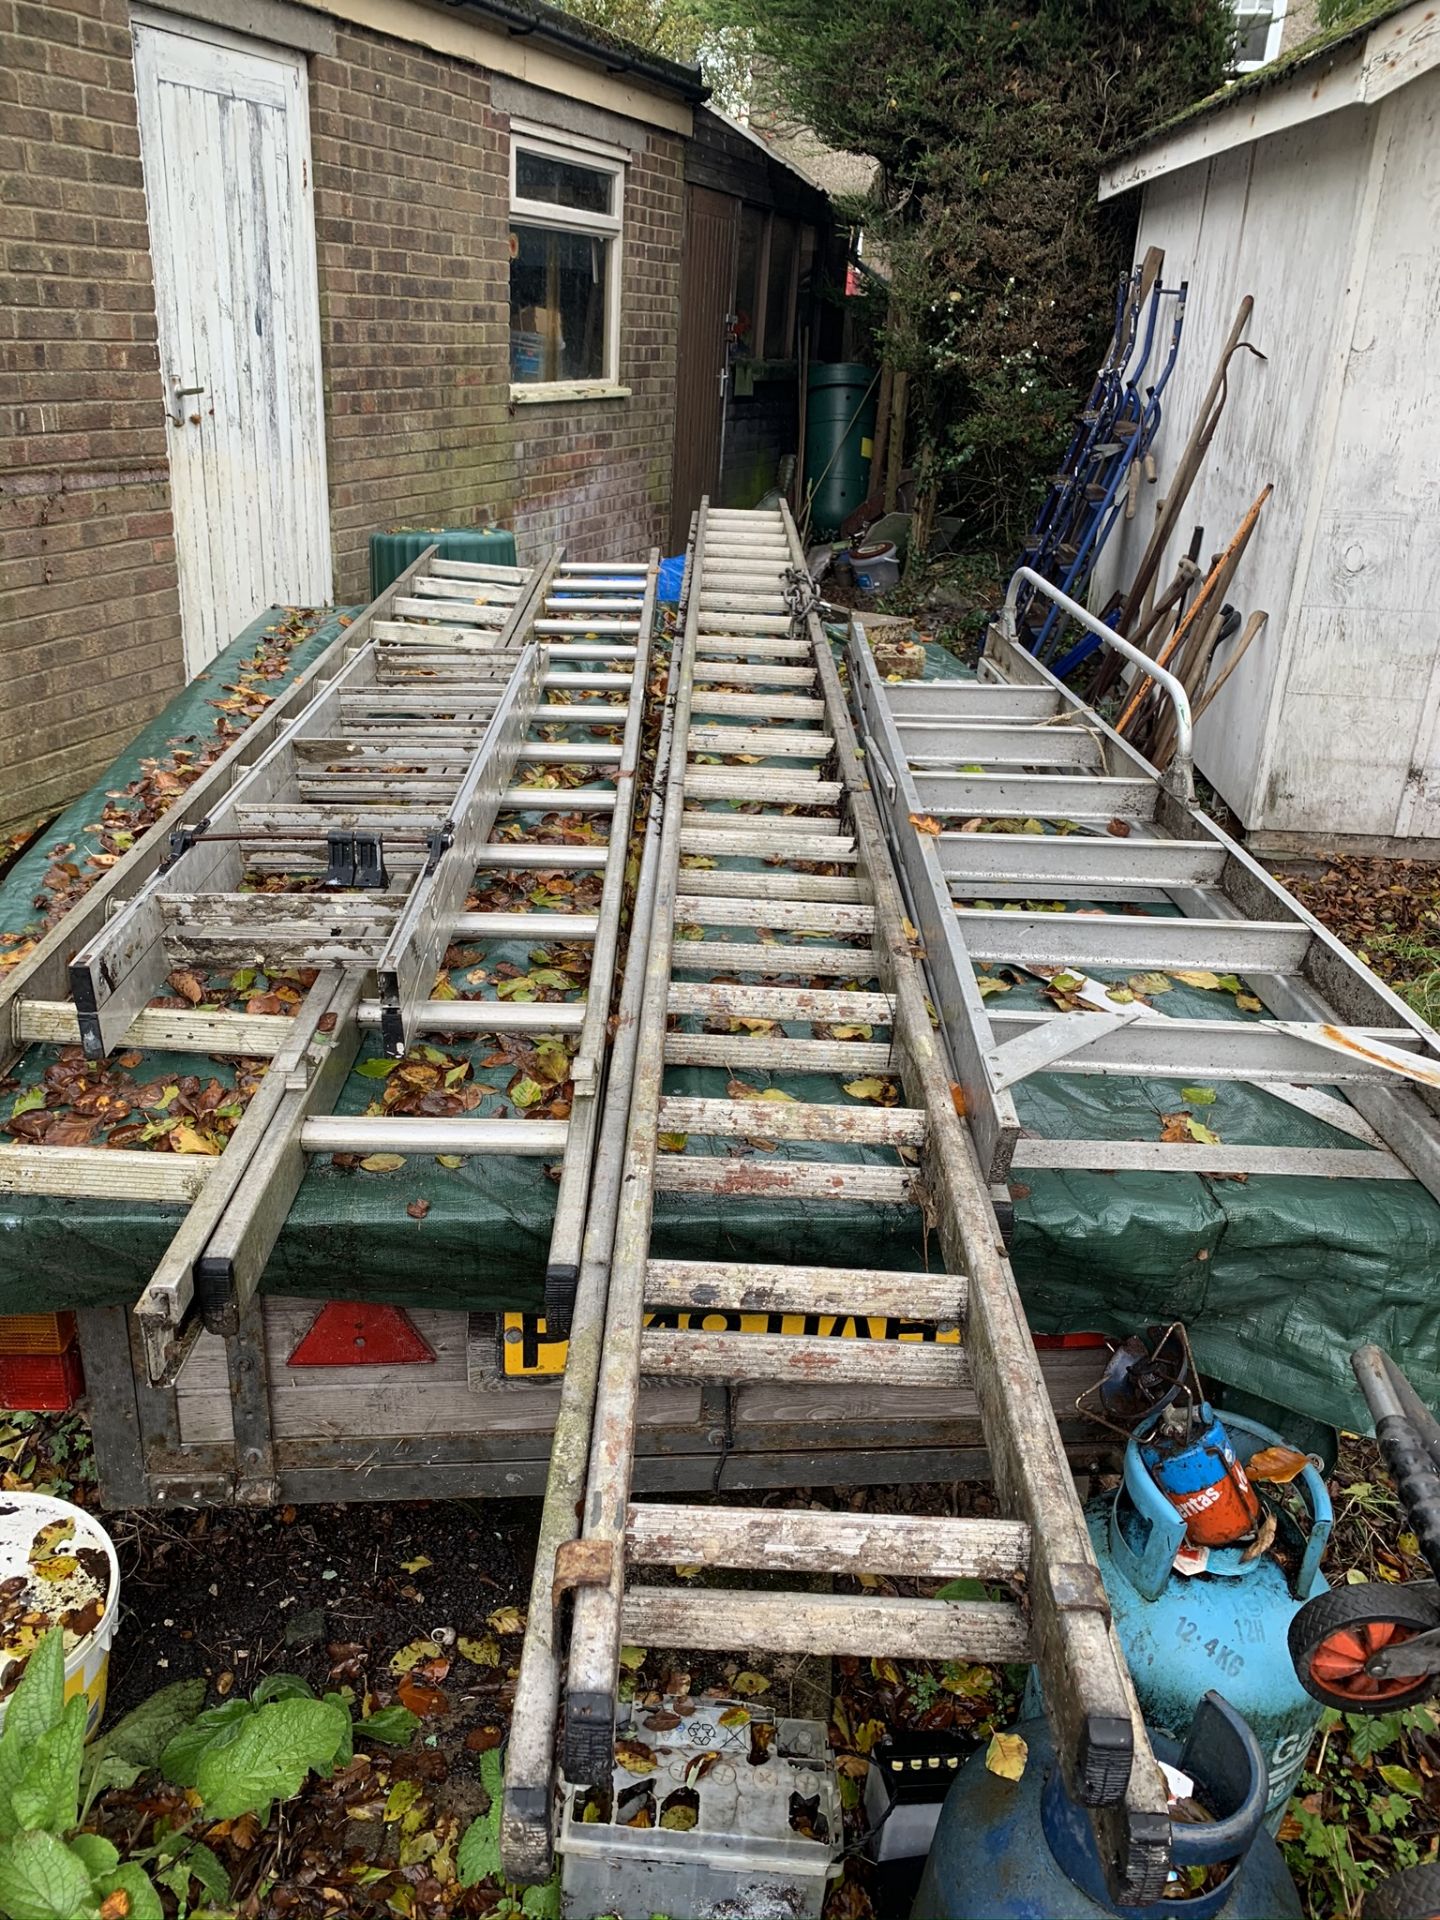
{"x":1046,"y":843}
{"x":437,"y":763}
{"x":769,"y":804}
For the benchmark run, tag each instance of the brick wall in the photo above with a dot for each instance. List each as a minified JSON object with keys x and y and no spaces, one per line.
{"x":89,"y":617}
{"x":412,"y":220}
{"x":411,"y":211}
{"x":597,"y":474}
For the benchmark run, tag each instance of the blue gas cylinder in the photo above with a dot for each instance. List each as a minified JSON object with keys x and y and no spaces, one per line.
{"x":1023,"y":1850}
{"x":1225,"y":1623}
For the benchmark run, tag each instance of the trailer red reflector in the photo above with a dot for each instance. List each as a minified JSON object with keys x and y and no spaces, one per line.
{"x":350,"y":1333}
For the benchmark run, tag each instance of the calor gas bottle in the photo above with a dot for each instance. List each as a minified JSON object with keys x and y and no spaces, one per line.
{"x":1191,"y":1618}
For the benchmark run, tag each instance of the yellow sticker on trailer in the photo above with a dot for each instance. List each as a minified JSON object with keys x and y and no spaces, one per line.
{"x":527,"y":1352}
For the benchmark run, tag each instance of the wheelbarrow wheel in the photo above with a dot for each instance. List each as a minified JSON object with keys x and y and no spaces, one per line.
{"x":1333,"y":1635}
{"x":1412,"y":1895}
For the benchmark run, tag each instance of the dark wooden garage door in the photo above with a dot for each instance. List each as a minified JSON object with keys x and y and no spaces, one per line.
{"x":710,"y":226}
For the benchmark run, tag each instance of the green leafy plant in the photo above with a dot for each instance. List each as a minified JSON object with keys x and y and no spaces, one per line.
{"x":239,"y":1757}
{"x":245,"y":1754}
{"x":49,"y":1868}
{"x":1360,"y":1806}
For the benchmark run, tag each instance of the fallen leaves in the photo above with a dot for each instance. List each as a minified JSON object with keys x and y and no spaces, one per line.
{"x":1006,"y":1756}
{"x":1277,"y":1466}
{"x":925,"y":823}
{"x":1183,"y":1129}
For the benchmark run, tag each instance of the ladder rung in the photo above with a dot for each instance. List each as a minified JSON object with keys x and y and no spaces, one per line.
{"x":771,"y":886}
{"x":769,"y":956}
{"x":764,"y":1053}
{"x":983,"y":1632}
{"x":488,"y":1016}
{"x":587,"y":625}
{"x":860,"y":1125}
{"x":607,"y":603}
{"x":761,"y":783}
{"x":701,"y":1285}
{"x":1039,"y":796}
{"x":578,"y":681}
{"x":735,"y":1178}
{"x":527,"y":926}
{"x":742,"y":674}
{"x":796,"y":1540}
{"x":536,"y":856}
{"x":558,"y":800}
{"x":758,"y":706}
{"x":779,"y":1003}
{"x":1089,"y":940}
{"x":770,"y":743}
{"x":709,"y":911}
{"x":576,"y":752}
{"x":839,"y":851}
{"x":820,"y":1358}
{"x":385,"y":1133}
{"x":716,"y":820}
{"x":590,"y":650}
{"x":712,"y":646}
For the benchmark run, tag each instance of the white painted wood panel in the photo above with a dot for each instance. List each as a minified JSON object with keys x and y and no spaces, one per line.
{"x":225,"y":143}
{"x":1272,"y":219}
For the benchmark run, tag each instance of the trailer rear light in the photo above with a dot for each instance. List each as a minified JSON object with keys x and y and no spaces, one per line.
{"x":41,"y":1382}
{"x":36,"y":1332}
{"x":350,"y":1333}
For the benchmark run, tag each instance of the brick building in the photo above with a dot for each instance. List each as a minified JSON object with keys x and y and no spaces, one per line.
{"x":277,"y":275}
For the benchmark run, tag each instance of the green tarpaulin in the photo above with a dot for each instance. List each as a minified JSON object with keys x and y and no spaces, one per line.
{"x":1278,"y":1279}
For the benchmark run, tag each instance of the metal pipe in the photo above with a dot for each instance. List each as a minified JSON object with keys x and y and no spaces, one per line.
{"x":420,"y":1133}
{"x":1180,"y":775}
{"x":488,"y":1016}
{"x":525,"y":1830}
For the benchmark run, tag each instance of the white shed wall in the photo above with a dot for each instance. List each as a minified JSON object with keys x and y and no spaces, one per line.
{"x":1356,"y":743}
{"x":1273,"y":219}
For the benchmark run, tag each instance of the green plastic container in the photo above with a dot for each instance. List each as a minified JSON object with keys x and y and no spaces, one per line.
{"x":392,"y":550}
{"x":839,"y":432}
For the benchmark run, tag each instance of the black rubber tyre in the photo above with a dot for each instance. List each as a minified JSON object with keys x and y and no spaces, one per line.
{"x":1333,"y":1635}
{"x":1412,"y":1895}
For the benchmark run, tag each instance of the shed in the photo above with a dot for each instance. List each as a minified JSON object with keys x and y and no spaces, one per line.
{"x":1314,"y":184}
{"x":277,"y":275}
{"x":760,"y":252}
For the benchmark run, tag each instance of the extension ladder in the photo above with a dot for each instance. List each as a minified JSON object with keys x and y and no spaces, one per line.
{"x":1036,"y":845}
{"x":765,"y":798}
{"x":425,"y":754}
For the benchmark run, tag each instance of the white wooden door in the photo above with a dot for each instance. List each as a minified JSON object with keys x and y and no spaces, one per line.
{"x":225,"y":141}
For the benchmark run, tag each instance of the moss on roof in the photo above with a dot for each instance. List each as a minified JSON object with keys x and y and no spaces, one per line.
{"x":1325,"y":41}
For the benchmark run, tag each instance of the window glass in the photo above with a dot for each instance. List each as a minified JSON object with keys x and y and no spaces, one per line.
{"x":561,"y":183}
{"x":557,"y":304}
{"x":747,"y":281}
{"x":781,"y":273}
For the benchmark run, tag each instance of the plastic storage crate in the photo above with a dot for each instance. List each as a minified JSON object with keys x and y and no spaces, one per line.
{"x":767,"y":1827}
{"x":394,"y":548}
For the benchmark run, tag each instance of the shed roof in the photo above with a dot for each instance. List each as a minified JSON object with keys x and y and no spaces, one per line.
{"x":597,"y":46}
{"x":1356,"y":62}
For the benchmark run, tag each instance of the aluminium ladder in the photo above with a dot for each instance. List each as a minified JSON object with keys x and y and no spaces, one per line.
{"x":1046,"y":845}
{"x":759,"y":721}
{"x":422,"y":755}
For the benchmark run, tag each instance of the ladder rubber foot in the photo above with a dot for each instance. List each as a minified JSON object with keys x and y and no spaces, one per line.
{"x":1103,"y":1762}
{"x":215,"y":1294}
{"x":561,"y":1281}
{"x":589,"y":1749}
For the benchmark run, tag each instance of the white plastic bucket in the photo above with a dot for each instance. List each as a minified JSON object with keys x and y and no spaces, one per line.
{"x":62,"y":1577}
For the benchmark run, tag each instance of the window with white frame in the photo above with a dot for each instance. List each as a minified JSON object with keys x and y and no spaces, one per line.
{"x":567,"y":200}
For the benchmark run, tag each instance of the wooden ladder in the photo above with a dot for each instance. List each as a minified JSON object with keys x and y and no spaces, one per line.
{"x":766,"y":800}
